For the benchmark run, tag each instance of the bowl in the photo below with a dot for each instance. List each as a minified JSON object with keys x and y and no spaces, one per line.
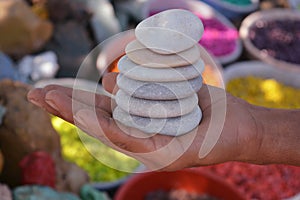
{"x":189,"y":180}
{"x":207,"y":13}
{"x":263,"y":85}
{"x":253,"y":51}
{"x":233,"y":11}
{"x":263,"y":70}
{"x":115,"y":48}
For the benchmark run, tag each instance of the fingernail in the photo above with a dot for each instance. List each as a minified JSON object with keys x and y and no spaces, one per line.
{"x":51,"y":104}
{"x":35,"y":102}
{"x":80,"y":119}
{"x":31,"y":92}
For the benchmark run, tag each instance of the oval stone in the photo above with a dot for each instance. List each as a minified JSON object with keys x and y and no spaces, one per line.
{"x":141,"y":73}
{"x":159,"y":90}
{"x":140,"y":54}
{"x":170,"y":31}
{"x":173,"y":126}
{"x":156,"y":108}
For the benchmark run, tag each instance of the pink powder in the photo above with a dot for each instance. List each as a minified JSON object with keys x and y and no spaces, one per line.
{"x":218,"y":39}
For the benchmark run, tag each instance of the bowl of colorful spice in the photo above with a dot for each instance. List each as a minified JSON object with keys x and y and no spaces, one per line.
{"x":234,"y":9}
{"x":220,"y":36}
{"x":262,"y":84}
{"x":107,"y":168}
{"x":273,"y":36}
{"x":187,"y":184}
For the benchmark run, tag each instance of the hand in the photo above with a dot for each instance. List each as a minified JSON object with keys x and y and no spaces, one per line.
{"x":234,"y":140}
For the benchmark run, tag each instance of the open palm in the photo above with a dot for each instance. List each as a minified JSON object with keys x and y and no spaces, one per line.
{"x":224,"y":133}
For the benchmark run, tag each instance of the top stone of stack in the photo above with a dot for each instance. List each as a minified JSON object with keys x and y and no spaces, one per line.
{"x":170,"y":32}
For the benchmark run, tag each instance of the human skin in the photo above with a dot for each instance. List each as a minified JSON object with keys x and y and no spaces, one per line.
{"x":250,"y":133}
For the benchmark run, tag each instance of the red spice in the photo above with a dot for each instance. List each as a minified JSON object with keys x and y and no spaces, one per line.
{"x":260,"y":182}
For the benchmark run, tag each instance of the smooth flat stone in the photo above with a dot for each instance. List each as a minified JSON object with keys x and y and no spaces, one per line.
{"x":170,"y":31}
{"x":174,"y":126}
{"x":156,"y":108}
{"x":140,"y":54}
{"x":159,"y":90}
{"x":141,"y":73}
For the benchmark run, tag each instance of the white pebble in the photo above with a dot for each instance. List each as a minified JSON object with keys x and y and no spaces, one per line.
{"x":170,"y":31}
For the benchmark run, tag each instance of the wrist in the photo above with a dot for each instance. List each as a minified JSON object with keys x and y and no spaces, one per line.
{"x":276,"y":138}
{"x":252,"y":134}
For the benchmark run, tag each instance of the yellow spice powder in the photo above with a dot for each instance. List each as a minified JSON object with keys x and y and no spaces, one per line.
{"x":264,"y":92}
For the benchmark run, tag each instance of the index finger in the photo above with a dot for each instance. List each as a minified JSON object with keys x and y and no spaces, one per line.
{"x":109,"y":82}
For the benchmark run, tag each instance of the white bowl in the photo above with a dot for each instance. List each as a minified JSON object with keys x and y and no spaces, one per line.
{"x":263,"y":70}
{"x":253,"y":50}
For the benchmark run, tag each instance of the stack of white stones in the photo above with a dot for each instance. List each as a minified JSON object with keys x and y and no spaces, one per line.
{"x":161,"y":74}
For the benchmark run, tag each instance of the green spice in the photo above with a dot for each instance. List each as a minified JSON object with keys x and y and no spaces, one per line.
{"x":84,"y":150}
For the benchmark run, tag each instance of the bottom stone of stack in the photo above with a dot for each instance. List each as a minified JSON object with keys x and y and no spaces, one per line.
{"x":173,"y":126}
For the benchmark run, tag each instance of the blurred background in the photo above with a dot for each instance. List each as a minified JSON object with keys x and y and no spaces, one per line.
{"x":252,"y":50}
